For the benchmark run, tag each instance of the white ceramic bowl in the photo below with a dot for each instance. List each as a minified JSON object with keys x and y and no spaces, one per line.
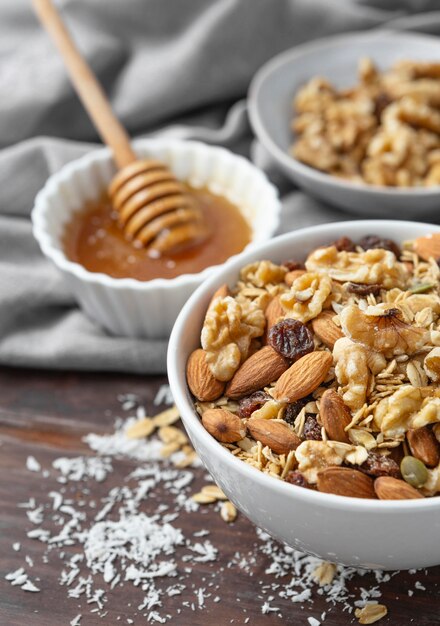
{"x":129,"y":307}
{"x":336,"y":58}
{"x":352,"y":531}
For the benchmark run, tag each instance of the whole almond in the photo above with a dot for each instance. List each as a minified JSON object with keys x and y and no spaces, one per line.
{"x":335,"y":415}
{"x":428,"y":246}
{"x":260,"y":369}
{"x":200,"y":379}
{"x":291,"y":276}
{"x":278,"y":436}
{"x":223,"y":425}
{"x":388,"y":488}
{"x":274,"y":312}
{"x":325,"y":329}
{"x":424,"y":446}
{"x":221,"y":292}
{"x":344,"y":481}
{"x":303,"y":377}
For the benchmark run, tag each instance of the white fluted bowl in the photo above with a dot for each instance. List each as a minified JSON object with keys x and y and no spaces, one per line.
{"x":129,"y":307}
{"x":379,"y":534}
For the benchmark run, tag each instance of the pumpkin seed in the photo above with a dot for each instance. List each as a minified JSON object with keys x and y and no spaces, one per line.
{"x":414,"y":471}
{"x":421,"y":288}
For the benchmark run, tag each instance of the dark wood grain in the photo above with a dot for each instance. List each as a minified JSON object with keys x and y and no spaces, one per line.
{"x":46,"y":414}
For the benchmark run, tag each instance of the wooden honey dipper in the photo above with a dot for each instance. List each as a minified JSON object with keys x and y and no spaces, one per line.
{"x":154,"y":208}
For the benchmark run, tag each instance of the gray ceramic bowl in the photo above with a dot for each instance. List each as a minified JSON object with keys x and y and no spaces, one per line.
{"x":336,"y":58}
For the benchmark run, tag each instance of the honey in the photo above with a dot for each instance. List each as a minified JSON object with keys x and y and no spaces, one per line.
{"x":95,"y":240}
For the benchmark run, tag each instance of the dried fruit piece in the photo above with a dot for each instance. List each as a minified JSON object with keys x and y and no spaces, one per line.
{"x":382,"y":329}
{"x":252,"y":403}
{"x":335,"y":415}
{"x":260,"y":369}
{"x":292,"y":265}
{"x":344,"y":481}
{"x":344,"y":244}
{"x":303,"y":377}
{"x":278,"y":436}
{"x":388,"y":488}
{"x":297,"y":478}
{"x":428,"y":247}
{"x":371,"y":613}
{"x":223,"y":425}
{"x":200,"y":379}
{"x":371,"y":242}
{"x":423,"y":445}
{"x":380,"y":465}
{"x":413,"y":471}
{"x":292,"y":410}
{"x":291,"y":338}
{"x":361,"y":289}
{"x":325,"y":329}
{"x":312,"y":430}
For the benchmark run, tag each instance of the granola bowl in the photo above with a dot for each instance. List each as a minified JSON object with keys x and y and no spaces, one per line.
{"x":336,"y":59}
{"x":370,"y":530}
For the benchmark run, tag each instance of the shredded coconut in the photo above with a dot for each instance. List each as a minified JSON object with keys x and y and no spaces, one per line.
{"x":109,"y":541}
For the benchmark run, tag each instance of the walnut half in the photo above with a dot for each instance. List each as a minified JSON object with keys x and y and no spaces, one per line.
{"x":382,"y":329}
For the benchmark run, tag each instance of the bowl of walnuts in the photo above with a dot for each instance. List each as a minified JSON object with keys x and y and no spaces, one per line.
{"x":307,"y":374}
{"x":354,"y":120}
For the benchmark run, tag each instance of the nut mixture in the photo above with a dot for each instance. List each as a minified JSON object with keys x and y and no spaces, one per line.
{"x":329,"y":380}
{"x":383,"y":131}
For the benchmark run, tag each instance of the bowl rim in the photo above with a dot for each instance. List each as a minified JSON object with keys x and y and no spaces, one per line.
{"x":290,"y":162}
{"x":184,"y":402}
{"x":48,"y":242}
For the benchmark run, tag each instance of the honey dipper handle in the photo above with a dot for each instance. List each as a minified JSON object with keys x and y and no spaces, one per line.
{"x":86,"y":85}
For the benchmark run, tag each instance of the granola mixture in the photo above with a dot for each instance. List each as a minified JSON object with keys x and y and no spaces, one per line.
{"x":383,"y":131}
{"x":327,"y":376}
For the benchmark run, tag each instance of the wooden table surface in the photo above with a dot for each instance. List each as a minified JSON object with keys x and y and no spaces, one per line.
{"x":46,"y":414}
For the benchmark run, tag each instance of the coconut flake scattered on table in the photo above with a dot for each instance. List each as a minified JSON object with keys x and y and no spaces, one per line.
{"x":108,"y":542}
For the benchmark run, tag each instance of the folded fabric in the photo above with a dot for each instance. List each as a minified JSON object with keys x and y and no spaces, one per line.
{"x":171,"y":67}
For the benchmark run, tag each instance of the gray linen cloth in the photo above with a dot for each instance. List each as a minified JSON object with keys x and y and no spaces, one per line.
{"x":174,"y":66}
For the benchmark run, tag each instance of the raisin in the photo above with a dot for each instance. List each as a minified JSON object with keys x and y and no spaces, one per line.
{"x":298,"y":479}
{"x":344,"y":244}
{"x":292,"y":265}
{"x":252,"y":403}
{"x":363,"y":290}
{"x":291,"y":338}
{"x":380,"y":104}
{"x":379,"y":465}
{"x":370,"y":242}
{"x":292,"y":410}
{"x":312,"y":430}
